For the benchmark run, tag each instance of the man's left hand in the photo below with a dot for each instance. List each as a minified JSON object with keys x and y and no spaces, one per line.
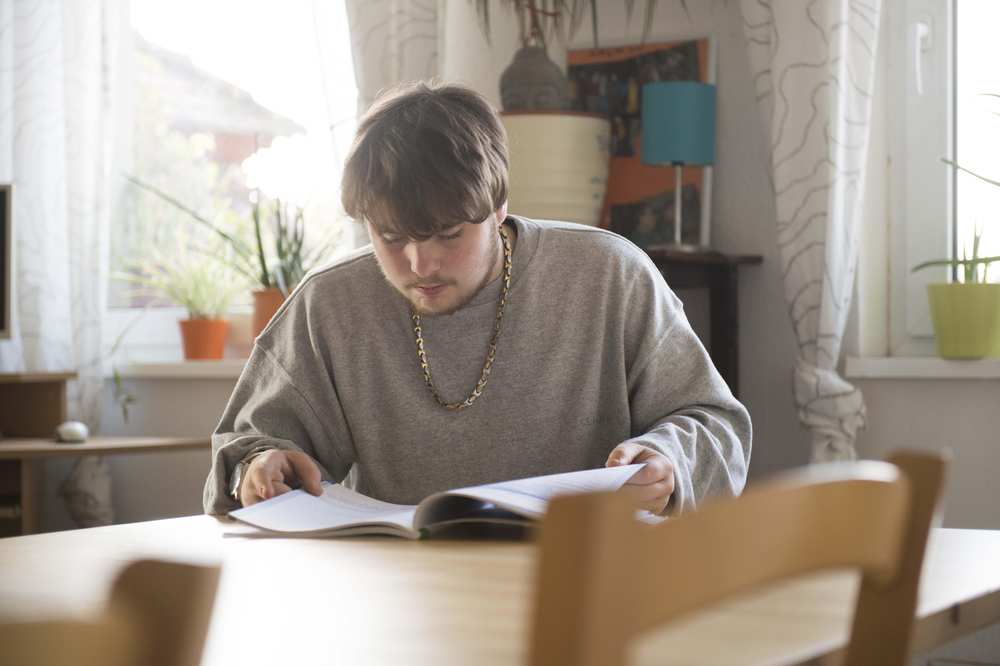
{"x":652,"y":485}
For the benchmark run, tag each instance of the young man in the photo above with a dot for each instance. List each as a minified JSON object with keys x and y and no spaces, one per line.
{"x":466,"y":345}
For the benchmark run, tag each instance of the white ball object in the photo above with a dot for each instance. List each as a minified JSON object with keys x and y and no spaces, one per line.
{"x":72,"y":431}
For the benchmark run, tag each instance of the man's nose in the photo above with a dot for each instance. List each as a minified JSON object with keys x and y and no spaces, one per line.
{"x":422,"y":257}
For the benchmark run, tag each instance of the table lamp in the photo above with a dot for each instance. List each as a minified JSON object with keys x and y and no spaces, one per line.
{"x":678,"y":128}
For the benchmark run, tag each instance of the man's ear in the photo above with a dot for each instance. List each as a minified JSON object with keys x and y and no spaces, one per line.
{"x":502,"y":213}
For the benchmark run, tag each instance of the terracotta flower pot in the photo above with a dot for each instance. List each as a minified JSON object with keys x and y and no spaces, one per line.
{"x":203,"y":339}
{"x":265,"y":303}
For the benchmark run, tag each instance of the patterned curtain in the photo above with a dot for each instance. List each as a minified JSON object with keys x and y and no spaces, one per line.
{"x":392,"y":41}
{"x":57,"y":71}
{"x":59,"y":63}
{"x":813,"y":65}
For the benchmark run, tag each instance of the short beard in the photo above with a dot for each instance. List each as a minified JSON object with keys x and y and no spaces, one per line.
{"x":497,"y":252}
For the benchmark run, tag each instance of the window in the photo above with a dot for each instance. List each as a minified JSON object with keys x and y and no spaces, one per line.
{"x":231,"y":100}
{"x":943,"y":82}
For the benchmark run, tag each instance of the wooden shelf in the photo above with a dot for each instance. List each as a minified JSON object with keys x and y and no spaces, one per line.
{"x":31,"y":406}
{"x":35,"y":377}
{"x":24,"y":448}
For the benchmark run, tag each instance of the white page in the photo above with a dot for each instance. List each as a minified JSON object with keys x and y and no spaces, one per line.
{"x":530,"y":496}
{"x":298,"y":511}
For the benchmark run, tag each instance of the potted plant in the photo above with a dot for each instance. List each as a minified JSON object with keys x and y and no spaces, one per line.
{"x":966,"y":313}
{"x":532,"y":81}
{"x":204,"y":286}
{"x":274,"y":269}
{"x":558,"y":158}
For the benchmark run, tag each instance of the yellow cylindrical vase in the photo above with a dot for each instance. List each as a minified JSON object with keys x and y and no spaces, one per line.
{"x":966,"y":319}
{"x":558,"y":164}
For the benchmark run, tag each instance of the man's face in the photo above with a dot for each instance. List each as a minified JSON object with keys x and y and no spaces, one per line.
{"x":443,"y":273}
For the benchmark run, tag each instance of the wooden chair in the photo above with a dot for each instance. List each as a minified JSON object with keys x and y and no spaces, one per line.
{"x":157,"y":615}
{"x":604,"y":578}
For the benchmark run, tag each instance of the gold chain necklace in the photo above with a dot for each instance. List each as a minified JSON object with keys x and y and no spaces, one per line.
{"x":490,"y":355}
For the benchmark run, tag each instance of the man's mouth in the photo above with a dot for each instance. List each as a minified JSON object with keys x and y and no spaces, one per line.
{"x":430,"y":290}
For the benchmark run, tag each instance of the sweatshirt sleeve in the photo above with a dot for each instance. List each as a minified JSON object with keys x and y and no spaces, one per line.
{"x":268,"y":409}
{"x":679,"y":403}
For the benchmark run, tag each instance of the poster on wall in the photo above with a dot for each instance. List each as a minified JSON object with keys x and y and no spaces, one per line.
{"x":639,"y":201}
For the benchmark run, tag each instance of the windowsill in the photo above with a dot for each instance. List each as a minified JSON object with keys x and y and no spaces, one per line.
{"x":227,"y":368}
{"x":913,"y":367}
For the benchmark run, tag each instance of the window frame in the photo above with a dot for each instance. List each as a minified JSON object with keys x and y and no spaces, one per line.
{"x":921,"y":187}
{"x":152,"y":334}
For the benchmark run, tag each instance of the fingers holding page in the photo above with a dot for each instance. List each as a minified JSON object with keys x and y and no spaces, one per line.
{"x":275,"y":473}
{"x":306,"y":471}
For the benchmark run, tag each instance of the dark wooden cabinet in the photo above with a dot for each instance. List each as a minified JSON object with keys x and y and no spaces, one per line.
{"x":719,"y":274}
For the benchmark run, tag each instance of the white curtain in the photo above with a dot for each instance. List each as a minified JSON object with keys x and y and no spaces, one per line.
{"x":392,"y":41}
{"x":813,"y":64}
{"x":59,"y":64}
{"x":57,"y":73}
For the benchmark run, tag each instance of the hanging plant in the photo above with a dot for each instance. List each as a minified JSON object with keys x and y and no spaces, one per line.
{"x":539,"y":20}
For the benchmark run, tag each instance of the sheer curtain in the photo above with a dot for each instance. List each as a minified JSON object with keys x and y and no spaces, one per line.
{"x":813,"y":64}
{"x":58,"y":70}
{"x":392,"y":41}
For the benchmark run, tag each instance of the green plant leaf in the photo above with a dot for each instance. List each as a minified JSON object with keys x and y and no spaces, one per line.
{"x":483,"y":14}
{"x":593,"y":20}
{"x":236,"y":243}
{"x":265,"y":274}
{"x":970,"y":172}
{"x":536,"y":18}
{"x":954,"y":263}
{"x":995,"y":113}
{"x":650,"y":13}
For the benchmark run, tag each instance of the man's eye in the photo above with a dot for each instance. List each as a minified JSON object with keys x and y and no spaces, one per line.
{"x":392,"y":240}
{"x":450,"y":236}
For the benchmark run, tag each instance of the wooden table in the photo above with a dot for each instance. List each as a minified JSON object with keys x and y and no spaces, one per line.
{"x":389,"y":601}
{"x":719,"y":273}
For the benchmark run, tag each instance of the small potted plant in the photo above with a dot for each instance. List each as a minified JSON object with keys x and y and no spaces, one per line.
{"x":966,"y":313}
{"x":203,"y":285}
{"x":274,"y":268}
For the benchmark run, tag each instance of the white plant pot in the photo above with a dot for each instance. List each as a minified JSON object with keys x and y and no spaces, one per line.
{"x":558,"y":164}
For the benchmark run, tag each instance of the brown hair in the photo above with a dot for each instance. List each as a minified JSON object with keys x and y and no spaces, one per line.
{"x":426,"y":157}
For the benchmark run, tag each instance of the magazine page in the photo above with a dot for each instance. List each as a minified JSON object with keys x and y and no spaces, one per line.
{"x":524,"y":497}
{"x":335,"y":510}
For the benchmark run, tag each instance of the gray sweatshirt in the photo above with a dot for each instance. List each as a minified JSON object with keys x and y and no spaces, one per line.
{"x":595,"y":350}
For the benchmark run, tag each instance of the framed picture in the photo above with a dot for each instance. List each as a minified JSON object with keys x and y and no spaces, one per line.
{"x":6,"y":258}
{"x":639,"y":201}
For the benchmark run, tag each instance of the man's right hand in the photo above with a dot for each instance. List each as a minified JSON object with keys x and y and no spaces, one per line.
{"x":276,"y":472}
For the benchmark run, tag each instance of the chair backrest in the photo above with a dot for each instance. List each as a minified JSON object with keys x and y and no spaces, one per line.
{"x":604,"y":578}
{"x":158,"y":615}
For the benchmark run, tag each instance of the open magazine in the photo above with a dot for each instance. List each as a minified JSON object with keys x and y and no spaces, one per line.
{"x":340,"y":511}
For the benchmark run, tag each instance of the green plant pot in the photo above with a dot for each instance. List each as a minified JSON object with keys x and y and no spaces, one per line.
{"x":966,"y":319}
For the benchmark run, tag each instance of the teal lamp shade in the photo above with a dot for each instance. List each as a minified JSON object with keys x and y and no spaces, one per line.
{"x":678,"y":123}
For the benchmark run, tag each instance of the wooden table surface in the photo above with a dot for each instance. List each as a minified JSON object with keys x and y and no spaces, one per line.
{"x":381,"y":600}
